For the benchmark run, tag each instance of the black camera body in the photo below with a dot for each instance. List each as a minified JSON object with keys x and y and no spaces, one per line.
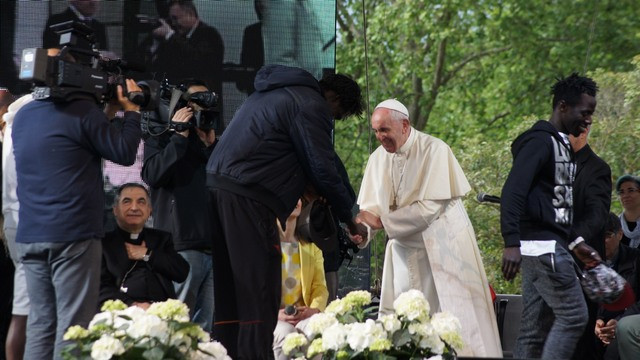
{"x":171,"y":98}
{"x":77,"y":72}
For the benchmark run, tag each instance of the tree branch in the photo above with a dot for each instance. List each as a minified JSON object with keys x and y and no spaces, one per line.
{"x":457,"y":67}
{"x":435,"y":85}
{"x":346,"y":22}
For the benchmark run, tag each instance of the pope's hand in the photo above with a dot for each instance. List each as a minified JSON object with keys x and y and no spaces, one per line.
{"x":373,"y":221}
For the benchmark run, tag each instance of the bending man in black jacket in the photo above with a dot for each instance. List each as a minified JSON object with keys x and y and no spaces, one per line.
{"x":174,"y":168}
{"x":277,"y":145}
{"x":591,"y":202}
{"x":138,"y":263}
{"x":536,"y":216}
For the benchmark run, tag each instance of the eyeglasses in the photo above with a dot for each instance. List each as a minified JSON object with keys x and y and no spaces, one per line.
{"x":627,"y":191}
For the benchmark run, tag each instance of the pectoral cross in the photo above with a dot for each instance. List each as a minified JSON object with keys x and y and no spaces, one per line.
{"x":394,"y":206}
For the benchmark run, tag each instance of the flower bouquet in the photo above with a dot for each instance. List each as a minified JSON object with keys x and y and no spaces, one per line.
{"x":346,"y":331}
{"x":161,"y":332}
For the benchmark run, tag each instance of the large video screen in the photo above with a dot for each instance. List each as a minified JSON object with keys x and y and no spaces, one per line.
{"x":232,"y":40}
{"x":225,"y":47}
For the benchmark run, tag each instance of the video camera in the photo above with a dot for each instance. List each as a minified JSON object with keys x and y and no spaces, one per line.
{"x":172,"y":98}
{"x":77,"y":71}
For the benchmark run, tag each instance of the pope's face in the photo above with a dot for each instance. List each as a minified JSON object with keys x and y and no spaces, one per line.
{"x":391,"y":133}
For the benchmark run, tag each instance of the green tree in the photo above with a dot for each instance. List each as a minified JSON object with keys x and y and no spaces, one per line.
{"x":477,"y":73}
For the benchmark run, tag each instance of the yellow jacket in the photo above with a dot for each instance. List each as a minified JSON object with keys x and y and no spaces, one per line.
{"x":313,"y":283}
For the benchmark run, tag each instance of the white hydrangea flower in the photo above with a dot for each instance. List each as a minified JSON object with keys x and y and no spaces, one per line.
{"x":134,"y":312}
{"x":181,"y":340}
{"x":448,"y":327}
{"x":217,"y":351}
{"x":315,"y":348}
{"x":334,"y":337}
{"x":432,"y":342}
{"x":103,"y":317}
{"x":293,"y":341}
{"x":149,"y":325}
{"x":106,"y":347}
{"x":426,"y":337}
{"x":361,"y":335}
{"x":390,"y":323}
{"x":337,"y":307}
{"x":318,"y":323}
{"x":171,"y":309}
{"x":75,"y":332}
{"x":435,"y":357}
{"x":380,"y":345}
{"x":412,"y":305}
{"x":113,"y":305}
{"x":357,"y":298}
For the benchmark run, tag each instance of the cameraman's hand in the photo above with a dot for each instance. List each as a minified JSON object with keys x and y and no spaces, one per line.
{"x":126,"y":104}
{"x":164,"y":31}
{"x":208,"y":137}
{"x":183,"y":115}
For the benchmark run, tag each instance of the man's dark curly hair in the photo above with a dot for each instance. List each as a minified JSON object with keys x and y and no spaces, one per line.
{"x":348,"y":91}
{"x":571,"y":88}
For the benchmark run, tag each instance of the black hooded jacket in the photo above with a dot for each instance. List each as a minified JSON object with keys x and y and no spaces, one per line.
{"x":537,"y":198}
{"x":278,"y":142}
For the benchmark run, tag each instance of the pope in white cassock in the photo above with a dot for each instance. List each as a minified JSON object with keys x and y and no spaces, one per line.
{"x":413,"y":188}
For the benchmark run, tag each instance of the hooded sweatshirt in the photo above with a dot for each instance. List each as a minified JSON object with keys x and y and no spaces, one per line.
{"x":537,"y":198}
{"x":278,"y":143}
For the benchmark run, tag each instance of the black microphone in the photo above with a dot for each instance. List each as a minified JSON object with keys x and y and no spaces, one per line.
{"x":290,"y":310}
{"x":482,"y":197}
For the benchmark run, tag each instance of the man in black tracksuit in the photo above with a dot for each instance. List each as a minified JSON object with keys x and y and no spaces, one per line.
{"x":536,"y":217}
{"x":277,"y":146}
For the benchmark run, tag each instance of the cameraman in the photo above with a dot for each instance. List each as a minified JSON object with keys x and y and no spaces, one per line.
{"x":58,"y":148}
{"x":174,"y":168}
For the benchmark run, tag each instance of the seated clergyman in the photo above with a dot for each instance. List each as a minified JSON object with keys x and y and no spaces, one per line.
{"x":138,"y":263}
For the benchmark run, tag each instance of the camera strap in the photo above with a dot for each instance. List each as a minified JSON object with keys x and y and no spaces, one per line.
{"x":176,"y":94}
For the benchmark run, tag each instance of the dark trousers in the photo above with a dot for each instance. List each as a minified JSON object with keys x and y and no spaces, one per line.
{"x":554,"y":311}
{"x":247,"y":274}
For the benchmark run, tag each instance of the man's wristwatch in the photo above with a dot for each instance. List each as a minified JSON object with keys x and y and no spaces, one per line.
{"x":146,"y":256}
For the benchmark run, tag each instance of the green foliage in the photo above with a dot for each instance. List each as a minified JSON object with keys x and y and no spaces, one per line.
{"x":477,"y":73}
{"x":616,"y":131}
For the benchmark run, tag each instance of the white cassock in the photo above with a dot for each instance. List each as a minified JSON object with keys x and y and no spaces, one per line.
{"x":432,"y":244}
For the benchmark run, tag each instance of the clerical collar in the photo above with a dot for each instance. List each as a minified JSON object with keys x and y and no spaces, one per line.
{"x":193,"y":29}
{"x":78,"y":14}
{"x":135,"y":239}
{"x":404,"y":149}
